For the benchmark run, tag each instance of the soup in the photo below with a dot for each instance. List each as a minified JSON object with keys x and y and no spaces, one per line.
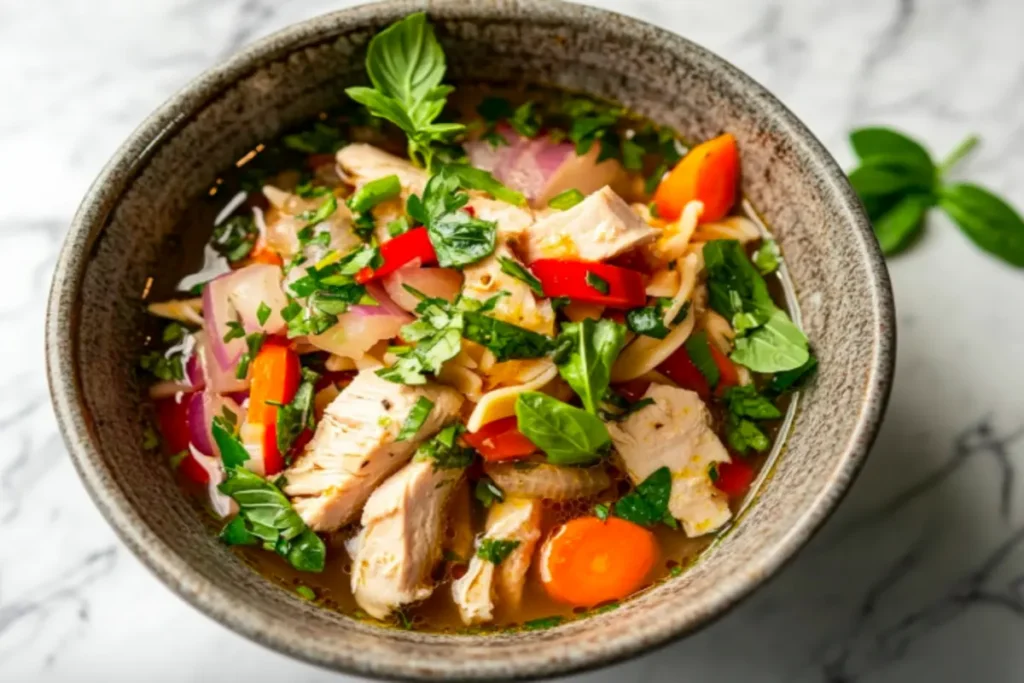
{"x":472,"y":360}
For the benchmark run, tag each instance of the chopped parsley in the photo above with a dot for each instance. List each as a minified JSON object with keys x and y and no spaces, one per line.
{"x":306,"y":593}
{"x":235,"y":238}
{"x":496,"y":550}
{"x":253,"y":343}
{"x":766,"y":258}
{"x":169,"y":366}
{"x":235,"y":331}
{"x":488,"y":492}
{"x":263,"y":313}
{"x":445,"y":450}
{"x":601,"y":511}
{"x":297,"y":414}
{"x":647,"y":321}
{"x":318,"y":139}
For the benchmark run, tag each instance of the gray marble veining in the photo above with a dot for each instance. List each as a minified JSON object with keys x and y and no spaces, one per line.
{"x":920,"y":576}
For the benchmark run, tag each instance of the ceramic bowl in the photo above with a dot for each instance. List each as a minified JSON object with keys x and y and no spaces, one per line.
{"x":124,"y":232}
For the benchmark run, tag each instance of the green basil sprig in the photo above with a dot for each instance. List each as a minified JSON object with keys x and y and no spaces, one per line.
{"x":899,"y":183}
{"x":567,"y":435}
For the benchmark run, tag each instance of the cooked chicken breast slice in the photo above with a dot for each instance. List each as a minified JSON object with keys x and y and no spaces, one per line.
{"x":360,"y":163}
{"x":675,"y":432}
{"x":354,"y":447}
{"x":600,"y":227}
{"x":518,"y":306}
{"x":483,"y":584}
{"x":513,"y":222}
{"x":400,"y":542}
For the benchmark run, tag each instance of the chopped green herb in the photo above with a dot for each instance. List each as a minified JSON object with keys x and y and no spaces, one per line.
{"x":319,"y":139}
{"x":445,"y":450}
{"x":699,"y":350}
{"x":601,"y":511}
{"x":399,"y":226}
{"x":566,"y":200}
{"x":791,"y":380}
{"x":403,"y":620}
{"x":234,"y":238}
{"x":263,"y":313}
{"x":648,"y":503}
{"x":297,"y":414}
{"x":174,"y":332}
{"x":169,"y":367}
{"x":177,"y":458}
{"x":417,"y":416}
{"x":496,"y":550}
{"x":713,"y":472}
{"x":587,"y":366}
{"x":517,"y":270}
{"x":647,"y":321}
{"x":306,"y":593}
{"x":235,"y":331}
{"x":487,"y":492}
{"x":766,"y":258}
{"x":542,"y":623}
{"x":676,"y":570}
{"x":150,"y":439}
{"x":742,"y":435}
{"x":597,"y":282}
{"x":253,"y":342}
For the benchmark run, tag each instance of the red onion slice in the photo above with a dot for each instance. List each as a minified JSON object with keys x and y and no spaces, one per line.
{"x":441,"y":283}
{"x":202,"y":408}
{"x":217,"y":379}
{"x":217,"y":313}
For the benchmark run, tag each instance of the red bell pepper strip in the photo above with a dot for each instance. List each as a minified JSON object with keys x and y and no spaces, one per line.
{"x":560,"y":277}
{"x":500,"y":440}
{"x":680,"y":369}
{"x":275,"y":378}
{"x":728,"y":375}
{"x":734,"y":477}
{"x":172,"y":418}
{"x":407,"y":247}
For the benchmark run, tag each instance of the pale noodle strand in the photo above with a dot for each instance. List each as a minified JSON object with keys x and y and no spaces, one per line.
{"x":676,"y":236}
{"x":733,"y":228}
{"x":719,"y":331}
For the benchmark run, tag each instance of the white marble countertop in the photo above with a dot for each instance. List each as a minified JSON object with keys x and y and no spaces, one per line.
{"x":919,"y":577}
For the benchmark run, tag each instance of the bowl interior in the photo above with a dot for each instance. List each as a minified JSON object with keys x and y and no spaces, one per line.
{"x":124,"y":234}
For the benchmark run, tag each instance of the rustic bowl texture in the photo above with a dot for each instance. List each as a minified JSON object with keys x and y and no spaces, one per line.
{"x":124,"y":232}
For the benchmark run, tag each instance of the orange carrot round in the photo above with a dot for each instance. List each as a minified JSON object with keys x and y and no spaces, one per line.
{"x":586,"y":561}
{"x":709,"y":172}
{"x":275,"y":378}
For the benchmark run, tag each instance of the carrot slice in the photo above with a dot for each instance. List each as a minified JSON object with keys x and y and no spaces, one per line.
{"x":586,"y":561}
{"x":709,"y":172}
{"x":275,"y":378}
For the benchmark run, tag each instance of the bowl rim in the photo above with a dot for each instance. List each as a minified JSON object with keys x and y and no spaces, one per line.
{"x":133,"y":155}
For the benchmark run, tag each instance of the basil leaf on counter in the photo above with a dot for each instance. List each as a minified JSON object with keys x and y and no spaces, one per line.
{"x":567,"y":435}
{"x":988,"y":220}
{"x":897,"y":228}
{"x":588,"y":366}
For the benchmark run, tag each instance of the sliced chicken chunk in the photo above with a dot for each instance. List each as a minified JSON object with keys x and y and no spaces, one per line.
{"x":400,"y":543}
{"x":675,"y":432}
{"x":360,"y":163}
{"x":518,"y":306}
{"x":483,"y":584}
{"x":513,"y":221}
{"x":354,"y":447}
{"x":600,"y":227}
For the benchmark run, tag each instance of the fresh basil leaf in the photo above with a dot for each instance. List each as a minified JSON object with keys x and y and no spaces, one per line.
{"x":734,"y":285}
{"x":989,"y":221}
{"x":776,"y":346}
{"x":236,"y":533}
{"x":742,"y":435}
{"x":885,"y":143}
{"x":472,"y":178}
{"x":404,"y":61}
{"x":566,"y":200}
{"x":791,"y":380}
{"x":597,"y":282}
{"x":567,"y":435}
{"x":373,"y":193}
{"x":261,"y":503}
{"x":525,"y":120}
{"x":648,"y":503}
{"x":445,"y":450}
{"x":232,"y":452}
{"x":460,"y":239}
{"x":414,"y":420}
{"x":297,"y":414}
{"x":899,"y":226}
{"x":505,"y":340}
{"x":518,"y":271}
{"x":744,"y":401}
{"x":173,"y":332}
{"x":307,"y":553}
{"x":699,"y":350}
{"x":588,"y":367}
{"x":647,"y":321}
{"x":766,"y":258}
{"x":496,"y":550}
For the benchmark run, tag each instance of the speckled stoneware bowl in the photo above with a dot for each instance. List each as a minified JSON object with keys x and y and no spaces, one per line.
{"x":123,"y":233}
